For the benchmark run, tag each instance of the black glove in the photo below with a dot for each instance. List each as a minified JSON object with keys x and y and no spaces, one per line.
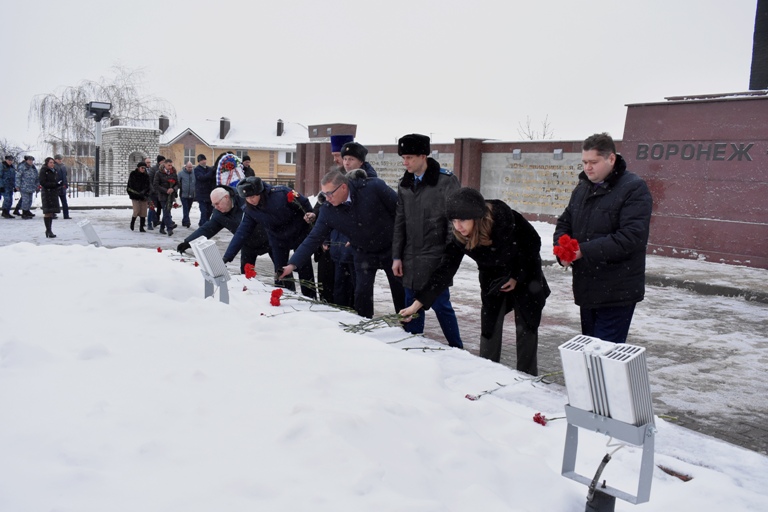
{"x":227,"y":260}
{"x":183,"y":246}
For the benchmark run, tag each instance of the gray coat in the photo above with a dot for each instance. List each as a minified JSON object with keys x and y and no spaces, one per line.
{"x":422,"y":229}
{"x":186,"y":184}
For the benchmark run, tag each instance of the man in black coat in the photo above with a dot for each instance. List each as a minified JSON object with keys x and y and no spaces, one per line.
{"x":205,"y":182}
{"x":422,"y":230}
{"x":61,"y":172}
{"x":228,"y":214}
{"x":609,"y":214}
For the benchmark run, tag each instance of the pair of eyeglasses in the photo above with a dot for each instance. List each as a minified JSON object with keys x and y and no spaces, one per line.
{"x":328,"y":195}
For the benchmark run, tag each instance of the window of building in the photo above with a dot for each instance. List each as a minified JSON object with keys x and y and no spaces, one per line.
{"x":189,"y":155}
{"x":287,"y":157}
{"x":241,"y":152}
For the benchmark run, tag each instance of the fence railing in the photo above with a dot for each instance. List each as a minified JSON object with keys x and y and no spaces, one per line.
{"x":117,"y":188}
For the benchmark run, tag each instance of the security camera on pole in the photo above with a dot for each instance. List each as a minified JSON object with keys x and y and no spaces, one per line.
{"x":97,"y":110}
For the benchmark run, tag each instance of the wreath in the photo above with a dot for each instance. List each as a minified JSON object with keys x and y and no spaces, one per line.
{"x":229,"y":171}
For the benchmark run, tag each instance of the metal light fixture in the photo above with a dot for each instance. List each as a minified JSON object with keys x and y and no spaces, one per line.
{"x":517,"y":154}
{"x":558,"y":154}
{"x":90,"y":233}
{"x":609,"y":393}
{"x":212,"y":267}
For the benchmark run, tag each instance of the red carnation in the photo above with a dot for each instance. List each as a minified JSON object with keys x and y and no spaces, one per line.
{"x":292,"y":196}
{"x":276,"y":294}
{"x":197,"y":264}
{"x":566,"y":248}
{"x":250,"y":271}
{"x":543,"y":420}
{"x":159,"y":250}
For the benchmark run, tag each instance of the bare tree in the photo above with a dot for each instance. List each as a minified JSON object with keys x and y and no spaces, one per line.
{"x":61,"y":115}
{"x":9,"y":148}
{"x":528,"y":132}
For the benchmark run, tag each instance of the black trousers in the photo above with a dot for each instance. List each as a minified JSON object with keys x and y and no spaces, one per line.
{"x":366,"y":265}
{"x":495,"y":308}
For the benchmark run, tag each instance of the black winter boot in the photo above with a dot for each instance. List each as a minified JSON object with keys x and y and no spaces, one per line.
{"x":48,"y":223}
{"x":133,"y":223}
{"x":26,"y":214}
{"x":141,"y":225}
{"x":7,"y":214}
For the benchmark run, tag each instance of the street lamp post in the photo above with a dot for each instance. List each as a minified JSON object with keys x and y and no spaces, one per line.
{"x":97,"y":110}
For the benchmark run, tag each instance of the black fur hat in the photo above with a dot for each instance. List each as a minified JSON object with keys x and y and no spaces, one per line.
{"x":252,"y":186}
{"x":354,"y":149}
{"x":201,"y":157}
{"x":466,"y":203}
{"x":413,"y":144}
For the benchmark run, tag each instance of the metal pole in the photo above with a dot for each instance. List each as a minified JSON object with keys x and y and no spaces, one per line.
{"x":98,"y":146}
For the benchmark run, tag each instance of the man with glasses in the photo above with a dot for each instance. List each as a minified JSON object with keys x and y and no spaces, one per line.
{"x":282,"y":212}
{"x":228,"y":212}
{"x":363,"y":209}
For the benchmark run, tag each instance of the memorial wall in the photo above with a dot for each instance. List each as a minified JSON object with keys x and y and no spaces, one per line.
{"x":390,"y":166}
{"x":531,"y":183}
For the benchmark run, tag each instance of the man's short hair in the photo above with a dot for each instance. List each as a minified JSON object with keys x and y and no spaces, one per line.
{"x":168,"y":161}
{"x":600,"y":142}
{"x":217,"y":194}
{"x":201,"y":157}
{"x":58,"y":157}
{"x":334,"y":177}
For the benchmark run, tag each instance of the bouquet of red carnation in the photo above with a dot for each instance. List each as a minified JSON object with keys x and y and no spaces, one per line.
{"x":250,"y":271}
{"x":566,"y":249}
{"x":276,"y":294}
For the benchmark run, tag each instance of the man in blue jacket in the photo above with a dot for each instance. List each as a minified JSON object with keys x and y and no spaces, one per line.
{"x":363,"y":209}
{"x":283,"y":213}
{"x":229,"y":209}
{"x":205,"y":182}
{"x":609,"y":214}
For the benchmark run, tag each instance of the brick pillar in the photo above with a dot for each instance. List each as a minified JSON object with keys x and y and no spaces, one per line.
{"x":312,"y":162}
{"x":467,"y":160}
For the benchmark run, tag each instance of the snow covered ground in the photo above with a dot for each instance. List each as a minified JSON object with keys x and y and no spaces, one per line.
{"x":122,"y":389}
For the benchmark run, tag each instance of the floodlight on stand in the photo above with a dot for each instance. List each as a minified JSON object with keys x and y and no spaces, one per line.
{"x":608,"y":393}
{"x":213,"y":268}
{"x":90,"y":233}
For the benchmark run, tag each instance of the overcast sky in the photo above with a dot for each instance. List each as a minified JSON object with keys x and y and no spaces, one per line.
{"x":447,"y":68}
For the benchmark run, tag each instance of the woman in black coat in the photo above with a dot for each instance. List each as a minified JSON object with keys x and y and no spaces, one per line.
{"x":49,"y":194}
{"x":506,"y":248}
{"x":138,"y":190}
